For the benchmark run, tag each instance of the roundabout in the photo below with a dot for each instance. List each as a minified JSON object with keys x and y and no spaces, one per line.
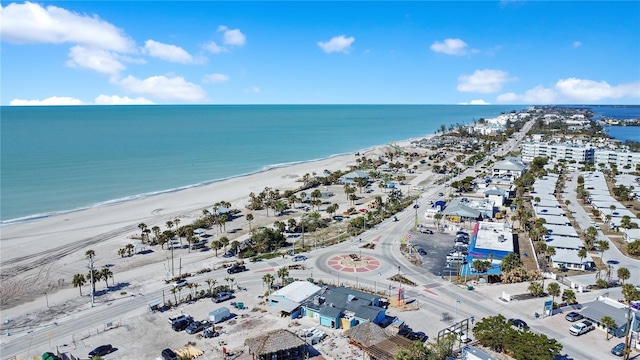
{"x":353,"y":263}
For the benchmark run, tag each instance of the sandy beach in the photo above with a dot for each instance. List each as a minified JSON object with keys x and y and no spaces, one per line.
{"x":43,"y":255}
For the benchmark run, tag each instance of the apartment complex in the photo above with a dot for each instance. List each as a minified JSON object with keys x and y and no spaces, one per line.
{"x":620,"y":158}
{"x":555,"y":152}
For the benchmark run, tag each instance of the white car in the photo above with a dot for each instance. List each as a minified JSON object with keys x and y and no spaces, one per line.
{"x":299,"y":258}
{"x":581,"y":328}
{"x":180,"y":283}
{"x":418,"y":188}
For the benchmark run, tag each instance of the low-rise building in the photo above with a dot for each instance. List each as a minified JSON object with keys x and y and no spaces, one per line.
{"x":343,"y":308}
{"x":512,"y":167}
{"x":278,"y":344}
{"x":489,"y":241}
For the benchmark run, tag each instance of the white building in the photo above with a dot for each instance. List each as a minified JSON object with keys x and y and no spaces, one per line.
{"x":555,"y":152}
{"x":620,"y":158}
{"x":511,"y":166}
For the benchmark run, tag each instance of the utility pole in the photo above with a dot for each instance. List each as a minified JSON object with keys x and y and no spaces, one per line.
{"x":173,"y":274}
{"x":92,"y":283}
{"x":627,"y":340}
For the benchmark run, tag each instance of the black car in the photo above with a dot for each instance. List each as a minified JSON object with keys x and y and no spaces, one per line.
{"x":168,"y":354}
{"x":519,"y":324}
{"x":418,"y":336}
{"x":210,"y":333}
{"x":421,"y":251}
{"x":236,"y":269}
{"x":573,"y":316}
{"x":196,"y":327}
{"x":618,"y":350}
{"x":180,"y":324}
{"x":404,"y":331}
{"x":101,"y":350}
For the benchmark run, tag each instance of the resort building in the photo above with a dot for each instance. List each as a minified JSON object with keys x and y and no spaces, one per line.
{"x":511,"y":167}
{"x":555,"y":152}
{"x":622,"y":159}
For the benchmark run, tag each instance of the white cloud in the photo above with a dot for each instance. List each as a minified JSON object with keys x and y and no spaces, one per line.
{"x":233,"y":37}
{"x":171,"y":53}
{"x":337,"y":44}
{"x":253,"y":90}
{"x":162,"y":87}
{"x":574,"y":90}
{"x":32,"y":23}
{"x":475,"y":102}
{"x":483,"y":81}
{"x":577,"y":44}
{"x":450,"y":47}
{"x":102,"y":61}
{"x":215,"y":48}
{"x":54,"y":100}
{"x":120,"y":100}
{"x":215,"y":78}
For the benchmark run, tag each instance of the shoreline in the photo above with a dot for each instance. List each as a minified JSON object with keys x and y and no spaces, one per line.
{"x":140,"y":196}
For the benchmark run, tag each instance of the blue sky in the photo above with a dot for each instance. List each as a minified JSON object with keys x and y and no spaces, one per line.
{"x":205,"y":52}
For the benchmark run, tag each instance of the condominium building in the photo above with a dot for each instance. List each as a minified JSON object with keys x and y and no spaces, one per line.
{"x":618,"y":157}
{"x":555,"y":152}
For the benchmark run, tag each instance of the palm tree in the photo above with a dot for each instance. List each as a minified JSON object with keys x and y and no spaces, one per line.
{"x":156,"y":232}
{"x":216,"y":245}
{"x":105,"y":274}
{"x":623,"y":274}
{"x":554,"y":290}
{"x":283,"y":272}
{"x":95,"y":275}
{"x":582,"y":254}
{"x":78,"y":281}
{"x":535,"y":288}
{"x":142,"y":227}
{"x":90,"y":254}
{"x":235,"y":244}
{"x":122,"y":252}
{"x":129,"y":248}
{"x":609,"y":323}
{"x":173,"y":291}
{"x":250,"y":219}
{"x":569,"y":296}
{"x":268,"y":279}
{"x":230,"y":281}
{"x":224,"y":241}
{"x":211,"y":283}
{"x":176,"y":222}
{"x":603,"y":245}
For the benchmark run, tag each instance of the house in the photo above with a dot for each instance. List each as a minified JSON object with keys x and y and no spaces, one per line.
{"x":569,"y":259}
{"x":350,"y":178}
{"x":490,"y":241}
{"x":343,"y":308}
{"x":277,"y":345}
{"x":289,"y":299}
{"x":561,"y":230}
{"x":377,"y":342}
{"x":510,"y":167}
{"x":563,"y":242}
{"x":631,"y":235}
{"x":496,"y":195}
{"x":604,"y":306}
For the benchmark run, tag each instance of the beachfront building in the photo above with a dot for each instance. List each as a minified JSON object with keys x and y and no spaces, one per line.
{"x":288,"y":300}
{"x":621,"y":158}
{"x":343,"y":308}
{"x":555,"y":152}
{"x":278,"y":344}
{"x":511,"y":167}
{"x":489,"y":241}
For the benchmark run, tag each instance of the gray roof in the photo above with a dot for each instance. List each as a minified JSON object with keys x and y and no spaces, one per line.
{"x":495,"y":191}
{"x":330,"y":311}
{"x":563,"y":242}
{"x":561,"y":230}
{"x":283,"y":304}
{"x":273,"y":341}
{"x":367,"y":312}
{"x":511,"y":164}
{"x":478,"y":353}
{"x":599,"y":309}
{"x":564,"y":256}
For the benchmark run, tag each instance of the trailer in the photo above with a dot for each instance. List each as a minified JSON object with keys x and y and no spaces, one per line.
{"x":219,"y":315}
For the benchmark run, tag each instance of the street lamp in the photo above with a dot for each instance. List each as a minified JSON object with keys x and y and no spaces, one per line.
{"x":455,"y":316}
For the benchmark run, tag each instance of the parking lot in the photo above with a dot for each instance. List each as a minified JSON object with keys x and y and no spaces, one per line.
{"x":437,"y":246}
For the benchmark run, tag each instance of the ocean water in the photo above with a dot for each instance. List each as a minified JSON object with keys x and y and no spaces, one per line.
{"x":66,"y":158}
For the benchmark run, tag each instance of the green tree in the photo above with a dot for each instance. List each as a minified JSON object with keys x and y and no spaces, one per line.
{"x":535,"y":288}
{"x":216,"y":245}
{"x":633,"y":247}
{"x":105,"y":274}
{"x":603,"y":245}
{"x":510,"y":262}
{"x":211,"y":283}
{"x":250,"y":219}
{"x":554,"y":290}
{"x":609,"y":323}
{"x":283,"y":272}
{"x":78,"y":281}
{"x":492,"y":332}
{"x":268,"y":280}
{"x":630,"y":292}
{"x":623,"y":274}
{"x":569,"y":296}
{"x":582,"y":254}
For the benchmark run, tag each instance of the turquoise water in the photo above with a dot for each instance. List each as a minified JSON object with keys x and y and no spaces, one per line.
{"x":57,"y":159}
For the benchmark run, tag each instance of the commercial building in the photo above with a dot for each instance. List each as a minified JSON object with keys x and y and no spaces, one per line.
{"x":489,"y":241}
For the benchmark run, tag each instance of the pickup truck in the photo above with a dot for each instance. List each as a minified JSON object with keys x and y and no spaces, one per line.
{"x":581,"y":328}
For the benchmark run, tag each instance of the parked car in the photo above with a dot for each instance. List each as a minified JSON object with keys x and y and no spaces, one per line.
{"x":175,"y":318}
{"x":618,"y":350}
{"x":581,"y":328}
{"x":210,"y":333}
{"x":418,"y":336}
{"x":228,"y":255}
{"x":180,"y":324}
{"x":424,"y":230}
{"x":404,"y":331}
{"x":168,"y":354}
{"x":421,"y":251}
{"x":222,"y":296}
{"x":573,"y":316}
{"x":101,"y":350}
{"x":196,"y":327}
{"x":299,"y":258}
{"x":236,"y":269}
{"x":180,"y":283}
{"x":415,"y":206}
{"x":518,"y":324}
